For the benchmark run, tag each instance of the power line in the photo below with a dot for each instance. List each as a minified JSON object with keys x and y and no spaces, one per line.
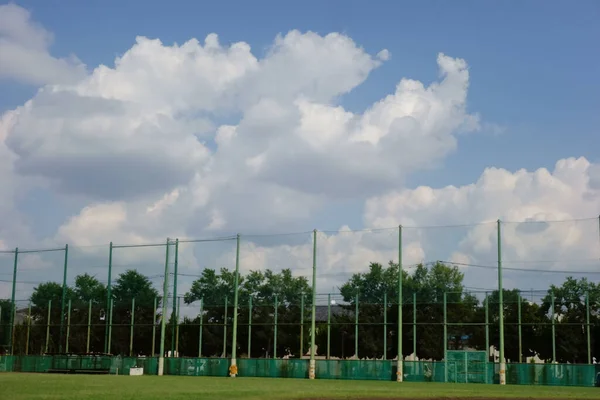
{"x":522,"y":269}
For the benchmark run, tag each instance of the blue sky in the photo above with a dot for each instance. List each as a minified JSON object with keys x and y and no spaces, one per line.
{"x":532,"y":79}
{"x":533,"y":64}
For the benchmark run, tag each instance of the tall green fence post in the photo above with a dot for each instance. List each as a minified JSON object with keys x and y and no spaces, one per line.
{"x":154,"y":327}
{"x":487,"y":327}
{"x":312,"y":364}
{"x":400,"y":368}
{"x":275,"y":328}
{"x":225,"y":329}
{"x":89,"y":327}
{"x":68,"y":327}
{"x":108,"y":296}
{"x":177,"y":326}
{"x":13,"y":302}
{"x":415,"y":324}
{"x":553,"y":328}
{"x":64,"y":297}
{"x":175,"y":321}
{"x":28,"y":329}
{"x":502,"y":371}
{"x":48,"y":326}
{"x":487,"y":336}
{"x":328,"y":326}
{"x":250,"y":327}
{"x":110,"y":324}
{"x":236,"y":284}
{"x":131,"y":325}
{"x":201,"y":328}
{"x":356,"y":327}
{"x":520,"y":329}
{"x":302,"y":325}
{"x":587,"y":324}
{"x":445,"y":337}
{"x":161,"y":356}
{"x":385,"y":326}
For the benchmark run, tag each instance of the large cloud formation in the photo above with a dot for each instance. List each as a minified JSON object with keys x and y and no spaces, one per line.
{"x":24,"y":54}
{"x":203,"y":138}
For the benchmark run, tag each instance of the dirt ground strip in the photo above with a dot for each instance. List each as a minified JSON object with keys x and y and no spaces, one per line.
{"x":442,"y":398}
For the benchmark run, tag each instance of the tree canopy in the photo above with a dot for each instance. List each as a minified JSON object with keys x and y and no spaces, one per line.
{"x":266,"y":296}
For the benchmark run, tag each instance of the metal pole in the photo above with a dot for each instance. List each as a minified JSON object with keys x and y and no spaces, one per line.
{"x":235,"y":306}
{"x":108,"y":295}
{"x":48,"y":326}
{"x":302,"y":325}
{"x":200,"y":327}
{"x":154,"y":327}
{"x":501,"y":308}
{"x":445,"y":338}
{"x":12,"y":301}
{"x":177,"y":326}
{"x":587,"y":323}
{"x":161,"y":356}
{"x":64,"y":297}
{"x":487,"y":327}
{"x":131,"y":327}
{"x":553,"y":329}
{"x":68,"y":327}
{"x":28,"y":329}
{"x":415,"y":324}
{"x":275,"y":330}
{"x":385,"y":326}
{"x":400,"y":370}
{"x":329,"y":326}
{"x":110,"y":317}
{"x":175,"y":321}
{"x":356,"y":326}
{"x":250,"y":327}
{"x":89,"y":327}
{"x":225,"y":329}
{"x":520,"y":330}
{"x":312,"y":364}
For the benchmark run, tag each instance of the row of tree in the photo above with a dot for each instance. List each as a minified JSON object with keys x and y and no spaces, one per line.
{"x":260,"y":291}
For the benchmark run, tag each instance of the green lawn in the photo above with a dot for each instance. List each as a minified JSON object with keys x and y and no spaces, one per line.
{"x":21,"y":386}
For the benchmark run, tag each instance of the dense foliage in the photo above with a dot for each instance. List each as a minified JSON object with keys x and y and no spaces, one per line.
{"x":259,"y":292}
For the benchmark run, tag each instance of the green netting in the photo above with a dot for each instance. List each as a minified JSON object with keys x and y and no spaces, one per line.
{"x":467,"y":366}
{"x":269,"y":368}
{"x":122,"y":365}
{"x":551,"y":374}
{"x":424,"y":371}
{"x":197,"y":366}
{"x":355,"y":369}
{"x":6,"y":363}
{"x":414,"y":371}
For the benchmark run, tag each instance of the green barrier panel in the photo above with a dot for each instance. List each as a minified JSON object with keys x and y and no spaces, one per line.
{"x":269,"y":368}
{"x":122,"y":365}
{"x":197,"y":366}
{"x":355,"y":369}
{"x":414,"y":371}
{"x":551,"y":374}
{"x":424,"y":371}
{"x":6,"y":363}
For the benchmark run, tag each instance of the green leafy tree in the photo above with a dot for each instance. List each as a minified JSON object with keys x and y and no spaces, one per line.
{"x":5,"y":307}
{"x":128,"y":286}
{"x":570,"y":314}
{"x":213,"y":288}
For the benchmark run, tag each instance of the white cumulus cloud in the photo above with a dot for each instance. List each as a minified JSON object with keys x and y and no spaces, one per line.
{"x":24,"y":51}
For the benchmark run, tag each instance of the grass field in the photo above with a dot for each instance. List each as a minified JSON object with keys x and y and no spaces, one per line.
{"x":17,"y":386}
